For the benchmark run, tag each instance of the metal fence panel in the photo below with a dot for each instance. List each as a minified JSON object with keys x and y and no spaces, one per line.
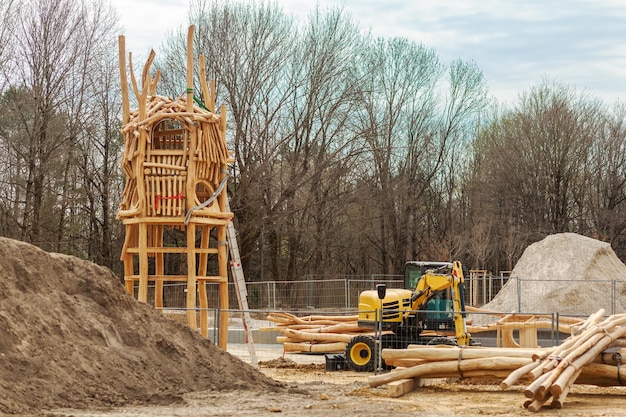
{"x":587,"y":297}
{"x":343,"y":293}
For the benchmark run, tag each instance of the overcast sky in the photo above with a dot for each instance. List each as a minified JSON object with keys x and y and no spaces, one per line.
{"x":515,"y":43}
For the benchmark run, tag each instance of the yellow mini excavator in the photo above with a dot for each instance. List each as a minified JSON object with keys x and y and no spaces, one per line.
{"x":429,"y":311}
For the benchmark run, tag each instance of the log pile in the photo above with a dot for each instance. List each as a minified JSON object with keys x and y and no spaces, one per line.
{"x":316,"y":333}
{"x":592,"y":355}
{"x":555,"y":373}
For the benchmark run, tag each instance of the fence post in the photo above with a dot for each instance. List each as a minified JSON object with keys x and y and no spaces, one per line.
{"x":519,"y":295}
{"x":274,"y":295}
{"x":613,"y":295}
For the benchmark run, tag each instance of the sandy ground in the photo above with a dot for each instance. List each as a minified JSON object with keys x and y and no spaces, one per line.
{"x":74,"y":343}
{"x":313,"y":391}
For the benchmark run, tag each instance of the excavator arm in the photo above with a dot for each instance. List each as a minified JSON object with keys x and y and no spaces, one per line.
{"x":431,"y":282}
{"x":458,"y":303}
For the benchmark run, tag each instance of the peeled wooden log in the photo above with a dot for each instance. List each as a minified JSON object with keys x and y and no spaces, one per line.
{"x":559,"y":399}
{"x":340,"y":328}
{"x":518,"y":374}
{"x":593,"y":319}
{"x":602,"y":375}
{"x":321,"y":337}
{"x":621,"y":343}
{"x":456,"y":367}
{"x":534,"y":390}
{"x":555,"y":374}
{"x":315,"y":319}
{"x":537,"y":403}
{"x":585,"y":359}
{"x":444,"y":353}
{"x":285,"y":339}
{"x":404,"y":362}
{"x":314,"y":347}
{"x":611,"y":358}
{"x":318,"y":337}
{"x":333,"y":328}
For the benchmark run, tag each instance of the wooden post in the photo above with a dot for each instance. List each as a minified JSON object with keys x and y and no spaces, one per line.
{"x":202,"y":271}
{"x":143,"y":263}
{"x":124,"y":80}
{"x":222,"y":256}
{"x":128,"y":258}
{"x":191,"y":276}
{"x":159,"y":267}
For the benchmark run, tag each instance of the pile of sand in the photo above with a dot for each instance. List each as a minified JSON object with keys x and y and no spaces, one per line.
{"x":71,"y":337}
{"x":565,"y":273}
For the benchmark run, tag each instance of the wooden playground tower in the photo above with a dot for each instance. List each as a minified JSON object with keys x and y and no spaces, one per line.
{"x":175,"y":162}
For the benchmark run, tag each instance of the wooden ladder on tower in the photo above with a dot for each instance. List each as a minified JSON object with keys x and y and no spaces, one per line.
{"x":240,"y":287}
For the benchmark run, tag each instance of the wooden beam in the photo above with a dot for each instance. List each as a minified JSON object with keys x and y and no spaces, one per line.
{"x":400,"y":387}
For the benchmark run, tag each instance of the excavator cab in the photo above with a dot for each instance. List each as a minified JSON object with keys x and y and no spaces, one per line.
{"x":413,"y":271}
{"x":439,"y":315}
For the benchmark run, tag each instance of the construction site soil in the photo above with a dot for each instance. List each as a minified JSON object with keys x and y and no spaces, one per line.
{"x":74,"y":343}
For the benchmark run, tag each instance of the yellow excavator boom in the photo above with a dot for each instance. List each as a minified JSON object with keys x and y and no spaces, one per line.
{"x":432,"y":282}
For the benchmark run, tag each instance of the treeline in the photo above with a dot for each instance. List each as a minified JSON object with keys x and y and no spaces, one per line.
{"x":352,"y":153}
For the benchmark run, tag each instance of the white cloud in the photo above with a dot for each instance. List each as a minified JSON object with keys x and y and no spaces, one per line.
{"x":146,"y":23}
{"x":516,"y":43}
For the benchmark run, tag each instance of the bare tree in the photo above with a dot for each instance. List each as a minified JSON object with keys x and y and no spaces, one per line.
{"x":53,"y":53}
{"x":607,"y":191}
{"x":100,"y":143}
{"x":534,"y":171}
{"x":414,"y":136}
{"x":8,"y":10}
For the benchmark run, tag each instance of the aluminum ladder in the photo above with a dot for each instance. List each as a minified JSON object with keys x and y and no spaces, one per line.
{"x":240,"y":287}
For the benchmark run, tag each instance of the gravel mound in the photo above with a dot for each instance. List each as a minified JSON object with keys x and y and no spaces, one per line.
{"x":565,"y":273}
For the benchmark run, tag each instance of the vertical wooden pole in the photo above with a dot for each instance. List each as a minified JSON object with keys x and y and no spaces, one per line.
{"x":143,"y":262}
{"x":204,"y":244}
{"x":193,"y":132}
{"x":191,"y":276}
{"x":128,"y":271}
{"x":159,"y":267}
{"x":206,"y":93}
{"x":190,"y":68}
{"x":202,"y":271}
{"x":128,"y":258}
{"x":124,"y":80}
{"x":222,"y":258}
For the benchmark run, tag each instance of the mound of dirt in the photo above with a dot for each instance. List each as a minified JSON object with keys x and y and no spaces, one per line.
{"x":72,"y":337}
{"x":565,"y":273}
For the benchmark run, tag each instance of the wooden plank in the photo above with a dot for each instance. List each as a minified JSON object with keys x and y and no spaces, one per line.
{"x":176,"y":278}
{"x":400,"y":387}
{"x":195,"y":218}
{"x":173,"y":250}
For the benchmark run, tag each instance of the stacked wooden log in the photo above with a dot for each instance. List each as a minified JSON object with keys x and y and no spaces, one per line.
{"x":555,"y":373}
{"x":592,"y":355}
{"x":316,"y":333}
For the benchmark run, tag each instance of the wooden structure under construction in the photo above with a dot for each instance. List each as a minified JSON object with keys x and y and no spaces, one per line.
{"x":175,"y":162}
